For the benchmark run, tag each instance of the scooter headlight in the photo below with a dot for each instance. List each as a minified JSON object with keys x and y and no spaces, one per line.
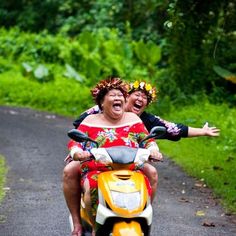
{"x":129,"y":201}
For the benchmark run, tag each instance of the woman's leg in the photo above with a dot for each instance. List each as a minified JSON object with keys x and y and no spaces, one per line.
{"x":87,"y":200}
{"x":90,"y":189}
{"x":151,"y":172}
{"x":72,"y":193}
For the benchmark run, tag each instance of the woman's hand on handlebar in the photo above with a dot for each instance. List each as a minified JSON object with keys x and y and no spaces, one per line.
{"x":81,"y":156}
{"x":155,"y":156}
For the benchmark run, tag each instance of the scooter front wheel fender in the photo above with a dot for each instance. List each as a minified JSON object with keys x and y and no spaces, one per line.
{"x":124,"y":228}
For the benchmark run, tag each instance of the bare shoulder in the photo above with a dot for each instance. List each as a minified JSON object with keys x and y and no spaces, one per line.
{"x":130,"y":116}
{"x":91,"y":118}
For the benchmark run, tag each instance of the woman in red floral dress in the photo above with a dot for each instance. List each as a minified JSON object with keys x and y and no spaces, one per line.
{"x":112,"y":127}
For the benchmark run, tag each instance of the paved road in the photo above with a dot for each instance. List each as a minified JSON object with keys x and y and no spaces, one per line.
{"x":34,"y":145}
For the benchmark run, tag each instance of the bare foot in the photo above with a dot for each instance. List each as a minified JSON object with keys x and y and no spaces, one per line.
{"x":77,"y":231}
{"x":93,"y":232}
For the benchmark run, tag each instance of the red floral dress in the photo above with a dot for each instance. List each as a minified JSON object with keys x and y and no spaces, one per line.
{"x":127,"y":135}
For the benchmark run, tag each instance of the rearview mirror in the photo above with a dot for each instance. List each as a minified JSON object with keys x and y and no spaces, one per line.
{"x":79,"y":136}
{"x":156,"y":132}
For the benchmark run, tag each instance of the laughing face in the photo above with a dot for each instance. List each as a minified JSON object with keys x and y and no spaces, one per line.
{"x":113,"y":104}
{"x":136,"y":102}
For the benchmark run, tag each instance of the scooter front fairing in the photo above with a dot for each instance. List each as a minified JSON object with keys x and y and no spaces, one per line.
{"x":123,"y":194}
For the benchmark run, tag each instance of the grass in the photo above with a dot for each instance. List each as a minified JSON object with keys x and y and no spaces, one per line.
{"x":62,"y":96}
{"x":212,"y":160}
{"x":3,"y":171}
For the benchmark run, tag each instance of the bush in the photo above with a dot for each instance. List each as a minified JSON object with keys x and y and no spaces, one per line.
{"x":91,"y":55}
{"x":61,"y":96}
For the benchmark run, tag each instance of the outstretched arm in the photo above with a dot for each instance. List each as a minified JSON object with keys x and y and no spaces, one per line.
{"x":204,"y":131}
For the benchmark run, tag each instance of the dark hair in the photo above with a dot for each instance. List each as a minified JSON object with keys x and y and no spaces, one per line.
{"x":104,"y":86}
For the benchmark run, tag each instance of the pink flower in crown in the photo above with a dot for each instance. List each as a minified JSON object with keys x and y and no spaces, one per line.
{"x":95,"y":92}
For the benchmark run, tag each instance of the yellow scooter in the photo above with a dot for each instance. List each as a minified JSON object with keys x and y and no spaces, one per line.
{"x":124,"y":207}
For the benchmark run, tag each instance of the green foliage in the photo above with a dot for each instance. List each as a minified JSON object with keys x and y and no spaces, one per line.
{"x":194,"y":36}
{"x":71,"y":73}
{"x":61,"y":96}
{"x":85,"y":59}
{"x":198,"y":39}
{"x":3,"y":172}
{"x":29,"y":15}
{"x":212,"y":160}
{"x":92,"y":55}
{"x":39,"y":73}
{"x":149,"y":53}
{"x":4,"y":66}
{"x":72,"y":17}
{"x":29,"y":47}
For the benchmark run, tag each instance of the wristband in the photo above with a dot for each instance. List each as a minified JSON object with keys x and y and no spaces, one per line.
{"x":153,"y":146}
{"x":74,"y":150}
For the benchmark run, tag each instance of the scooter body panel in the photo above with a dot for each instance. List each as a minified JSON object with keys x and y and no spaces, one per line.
{"x":124,"y":191}
{"x":131,"y":213}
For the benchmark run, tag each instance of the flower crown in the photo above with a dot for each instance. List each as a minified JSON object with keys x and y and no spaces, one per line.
{"x":144,"y":87}
{"x":108,"y":84}
{"x":101,"y":89}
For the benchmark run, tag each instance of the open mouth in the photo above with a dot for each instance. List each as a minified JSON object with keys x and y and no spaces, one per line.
{"x":137,"y":106}
{"x":117,"y":106}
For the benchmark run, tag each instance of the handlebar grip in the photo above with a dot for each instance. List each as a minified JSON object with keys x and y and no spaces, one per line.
{"x":154,"y":159}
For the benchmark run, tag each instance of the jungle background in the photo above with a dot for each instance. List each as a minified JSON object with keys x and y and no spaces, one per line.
{"x":53,"y":51}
